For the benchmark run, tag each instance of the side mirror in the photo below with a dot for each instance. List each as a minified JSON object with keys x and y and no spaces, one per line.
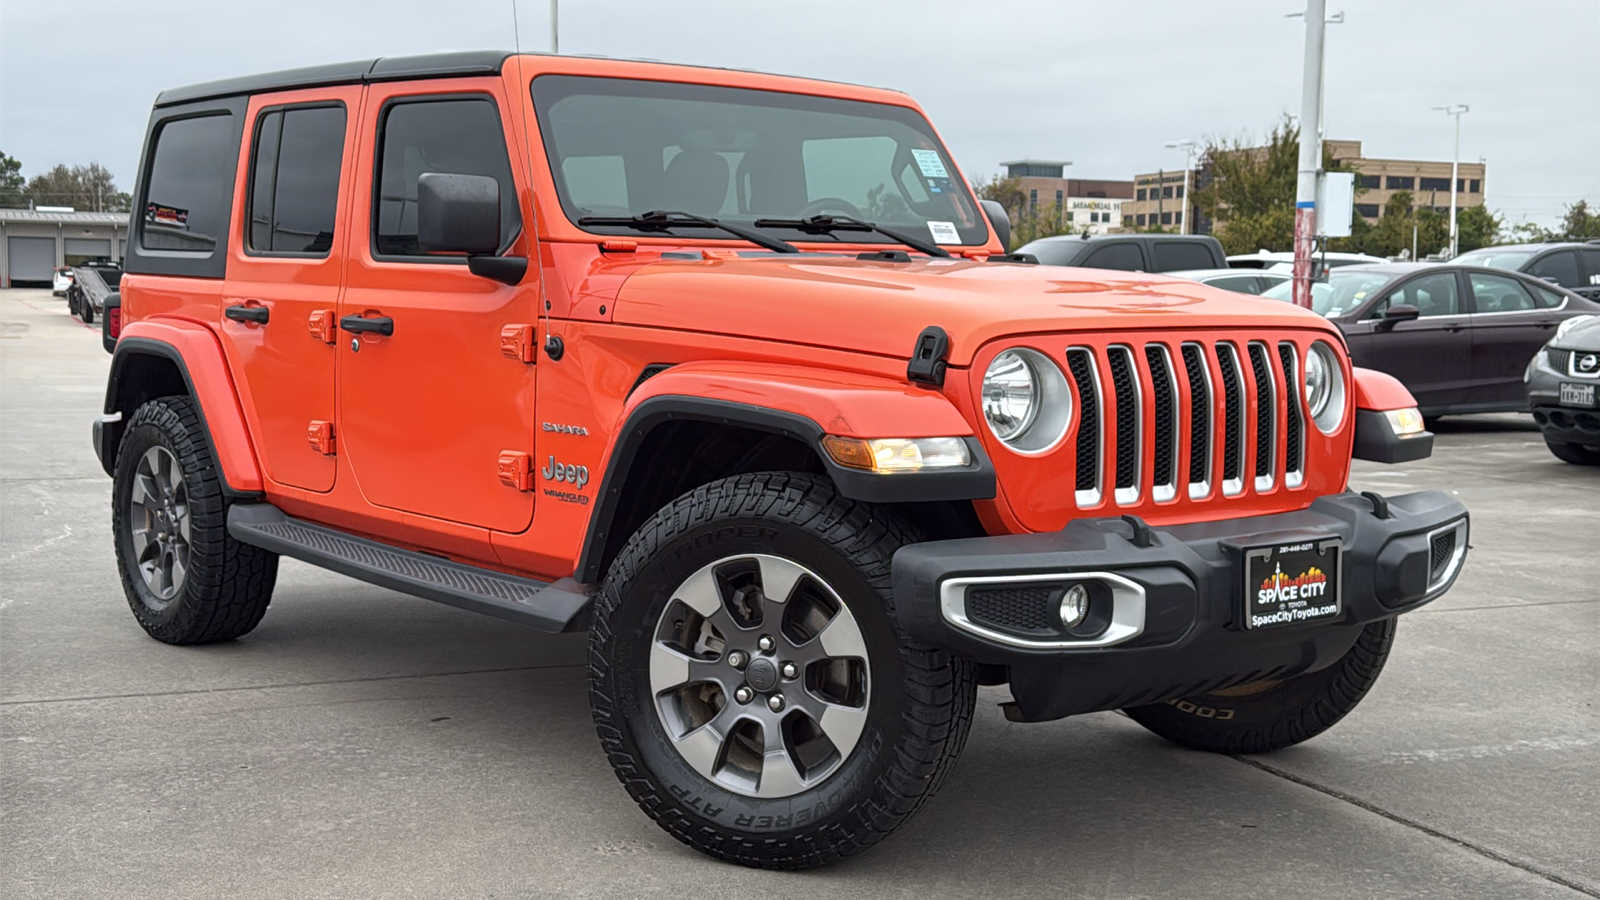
{"x":1394,"y":315}
{"x":458,"y":213}
{"x":999,"y":221}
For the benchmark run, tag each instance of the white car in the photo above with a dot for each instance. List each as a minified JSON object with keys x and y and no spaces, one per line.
{"x":1284,"y":262}
{"x":61,"y":281}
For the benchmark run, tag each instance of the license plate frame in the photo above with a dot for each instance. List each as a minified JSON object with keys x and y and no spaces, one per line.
{"x":1293,"y":583}
{"x":1577,"y":396}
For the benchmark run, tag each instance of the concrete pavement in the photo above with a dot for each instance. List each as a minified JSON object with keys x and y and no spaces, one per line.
{"x":361,"y":743}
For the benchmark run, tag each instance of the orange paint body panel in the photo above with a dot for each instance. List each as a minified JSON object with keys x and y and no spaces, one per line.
{"x":1380,"y":391}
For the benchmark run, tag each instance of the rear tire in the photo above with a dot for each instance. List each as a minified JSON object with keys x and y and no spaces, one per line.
{"x":88,"y":313}
{"x":1270,"y":716}
{"x":868,"y":722}
{"x":1577,"y":454}
{"x":186,"y":579}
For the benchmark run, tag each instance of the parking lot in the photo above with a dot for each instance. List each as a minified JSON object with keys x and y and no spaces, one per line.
{"x":361,"y":743}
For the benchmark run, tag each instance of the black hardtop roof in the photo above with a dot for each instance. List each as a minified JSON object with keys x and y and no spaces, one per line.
{"x":1123,"y":236}
{"x":1538,"y":247}
{"x":394,"y":68}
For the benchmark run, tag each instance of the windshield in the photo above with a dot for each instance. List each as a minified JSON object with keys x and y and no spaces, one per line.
{"x":1341,"y":293}
{"x":621,"y":147}
{"x":1494,"y":259}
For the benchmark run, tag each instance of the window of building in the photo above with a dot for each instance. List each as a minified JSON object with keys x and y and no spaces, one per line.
{"x":1166,"y":192}
{"x":1435,"y":184}
{"x":1473,"y":185}
{"x":458,"y":136}
{"x":1367,"y":210}
{"x":1033,"y":200}
{"x":190,"y":185}
{"x":294,"y":180}
{"x":1127,"y":221}
{"x":1180,"y":191}
{"x":1400,"y":182}
{"x":1139,"y":194}
{"x":1139,"y":220}
{"x":1166,"y":218}
{"x":1369,"y":182}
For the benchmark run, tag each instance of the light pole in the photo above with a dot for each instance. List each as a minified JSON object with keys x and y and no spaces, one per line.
{"x":555,"y":26}
{"x":1455,"y":172}
{"x":1305,"y":197}
{"x":1188,"y":163}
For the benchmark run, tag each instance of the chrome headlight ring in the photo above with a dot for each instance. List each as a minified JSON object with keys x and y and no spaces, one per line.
{"x":1026,"y":401}
{"x":1324,"y":386}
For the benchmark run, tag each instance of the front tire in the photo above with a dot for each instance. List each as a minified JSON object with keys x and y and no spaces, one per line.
{"x":186,"y":579}
{"x":783,"y":731}
{"x":1267,"y":716}
{"x":1577,"y":454}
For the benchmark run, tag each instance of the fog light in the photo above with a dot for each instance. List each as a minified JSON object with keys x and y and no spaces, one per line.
{"x":1074,"y":605}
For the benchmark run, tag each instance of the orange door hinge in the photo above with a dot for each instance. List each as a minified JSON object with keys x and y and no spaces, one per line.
{"x":516,"y":342}
{"x":323,"y":326}
{"x":516,"y":469}
{"x":320,"y":434}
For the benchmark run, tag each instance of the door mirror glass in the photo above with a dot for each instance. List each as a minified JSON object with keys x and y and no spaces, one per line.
{"x":458,"y":213}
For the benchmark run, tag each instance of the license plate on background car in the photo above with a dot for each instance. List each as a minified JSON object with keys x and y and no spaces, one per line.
{"x":1289,"y":583}
{"x":1577,"y":395}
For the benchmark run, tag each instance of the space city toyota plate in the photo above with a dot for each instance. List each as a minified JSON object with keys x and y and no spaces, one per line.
{"x":1289,"y":583}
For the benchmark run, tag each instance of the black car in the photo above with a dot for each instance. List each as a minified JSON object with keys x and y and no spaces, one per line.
{"x":1564,"y":392}
{"x":1574,"y":266}
{"x":1458,"y":337}
{"x":1130,"y":252}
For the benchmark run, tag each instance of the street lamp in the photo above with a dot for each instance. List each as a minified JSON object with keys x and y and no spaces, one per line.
{"x":1188,"y":163}
{"x":1455,"y":172}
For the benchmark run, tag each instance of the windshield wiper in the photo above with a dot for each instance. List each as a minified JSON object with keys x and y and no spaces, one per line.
{"x":663,"y":220}
{"x":829,"y":224}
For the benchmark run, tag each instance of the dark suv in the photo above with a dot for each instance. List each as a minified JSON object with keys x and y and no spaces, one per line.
{"x":1574,"y":266}
{"x":1130,"y":252}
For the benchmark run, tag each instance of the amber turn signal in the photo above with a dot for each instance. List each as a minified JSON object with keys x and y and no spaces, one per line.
{"x":887,"y":455}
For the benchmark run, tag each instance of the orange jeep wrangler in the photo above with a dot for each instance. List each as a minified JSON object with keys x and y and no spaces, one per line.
{"x":733,"y":371}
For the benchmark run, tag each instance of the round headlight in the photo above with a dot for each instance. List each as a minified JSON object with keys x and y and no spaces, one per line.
{"x":1324,"y":387}
{"x":1010,"y":395}
{"x":1026,"y":400}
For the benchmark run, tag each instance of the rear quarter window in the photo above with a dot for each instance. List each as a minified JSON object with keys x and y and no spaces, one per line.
{"x":190,"y":185}
{"x":1124,"y":256}
{"x":1561,"y":267}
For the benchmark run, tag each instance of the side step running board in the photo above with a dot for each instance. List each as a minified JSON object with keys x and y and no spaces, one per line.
{"x":549,"y":607}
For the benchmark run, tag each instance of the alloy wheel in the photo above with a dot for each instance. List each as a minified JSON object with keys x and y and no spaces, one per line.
{"x":159,"y":517}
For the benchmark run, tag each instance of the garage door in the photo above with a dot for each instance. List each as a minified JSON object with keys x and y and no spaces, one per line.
{"x":30,"y":259}
{"x":78,"y":250}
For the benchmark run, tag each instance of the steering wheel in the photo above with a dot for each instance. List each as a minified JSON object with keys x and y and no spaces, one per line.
{"x":830,"y":205}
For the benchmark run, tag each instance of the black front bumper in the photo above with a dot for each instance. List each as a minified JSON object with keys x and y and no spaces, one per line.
{"x":1191,"y":637}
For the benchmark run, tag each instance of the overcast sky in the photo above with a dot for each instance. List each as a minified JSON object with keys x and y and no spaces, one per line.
{"x":1103,"y":84}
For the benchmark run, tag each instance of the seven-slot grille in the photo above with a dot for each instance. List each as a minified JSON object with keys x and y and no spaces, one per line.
{"x":1130,"y":398}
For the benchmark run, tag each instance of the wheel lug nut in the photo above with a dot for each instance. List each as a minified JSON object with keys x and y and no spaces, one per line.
{"x":744,"y":695}
{"x":775,"y":702}
{"x":766,"y":643}
{"x":791,"y":671}
{"x":737,"y":659}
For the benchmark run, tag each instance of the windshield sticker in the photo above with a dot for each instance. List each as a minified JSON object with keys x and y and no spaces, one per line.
{"x":944,"y":232}
{"x":1361,"y":295}
{"x":1335,"y":311}
{"x":930,"y":163}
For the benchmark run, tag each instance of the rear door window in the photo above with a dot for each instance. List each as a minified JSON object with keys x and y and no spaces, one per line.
{"x":457,"y":135}
{"x":1499,"y":293}
{"x":190,"y":185}
{"x":1562,"y":267}
{"x":294,"y":180}
{"x":1124,"y":255}
{"x":1172,"y":256}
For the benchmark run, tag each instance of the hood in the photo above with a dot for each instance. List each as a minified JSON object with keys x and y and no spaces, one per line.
{"x":881,"y":307}
{"x":1583,"y":335}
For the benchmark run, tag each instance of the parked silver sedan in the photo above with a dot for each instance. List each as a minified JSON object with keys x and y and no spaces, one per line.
{"x":1243,"y":281}
{"x":1563,"y":383}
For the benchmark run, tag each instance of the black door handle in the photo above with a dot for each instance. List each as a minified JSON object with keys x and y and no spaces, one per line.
{"x":368,"y":325}
{"x":242,"y":313}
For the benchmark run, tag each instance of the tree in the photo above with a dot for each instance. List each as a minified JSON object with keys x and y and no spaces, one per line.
{"x":1477,"y":227}
{"x":1029,"y":222}
{"x":11,"y":182}
{"x":90,"y":187}
{"x":1249,"y":189}
{"x":1580,"y":224}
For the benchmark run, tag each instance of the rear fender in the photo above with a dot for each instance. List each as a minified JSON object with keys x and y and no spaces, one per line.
{"x":193,"y":350}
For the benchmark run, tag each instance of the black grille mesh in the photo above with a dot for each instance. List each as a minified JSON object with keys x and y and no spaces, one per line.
{"x":1012,"y":609}
{"x":1558,"y":358}
{"x":1081,"y":365}
{"x":1443,"y":547}
{"x":1164,"y":422}
{"x":1127,"y":416}
{"x":1292,"y":427}
{"x":1233,"y":415}
{"x":1265,"y":410}
{"x":1199,"y":415}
